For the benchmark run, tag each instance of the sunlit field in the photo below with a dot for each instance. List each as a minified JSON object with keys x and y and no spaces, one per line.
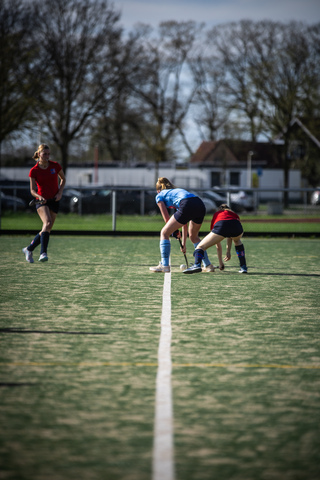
{"x":79,"y":340}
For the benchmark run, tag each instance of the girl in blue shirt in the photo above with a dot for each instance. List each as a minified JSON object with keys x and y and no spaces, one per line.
{"x":189,"y":208}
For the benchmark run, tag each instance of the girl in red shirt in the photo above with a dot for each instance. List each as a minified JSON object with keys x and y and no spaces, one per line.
{"x":47,"y":182}
{"x":224,"y":224}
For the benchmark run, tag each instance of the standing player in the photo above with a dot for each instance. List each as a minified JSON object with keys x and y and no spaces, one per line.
{"x":224,"y":224}
{"x":189,"y":208}
{"x":47,"y":182}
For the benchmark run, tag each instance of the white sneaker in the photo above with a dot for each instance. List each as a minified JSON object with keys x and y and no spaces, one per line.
{"x":243,"y":269}
{"x":43,"y":257}
{"x":160,"y":268}
{"x":208,"y":268}
{"x":28,"y":255}
{"x":193,"y":269}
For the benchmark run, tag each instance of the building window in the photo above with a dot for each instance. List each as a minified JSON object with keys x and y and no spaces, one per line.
{"x":235,"y":178}
{"x":215,"y":179}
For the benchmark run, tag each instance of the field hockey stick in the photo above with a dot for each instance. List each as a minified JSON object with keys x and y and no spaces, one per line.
{"x":34,"y":201}
{"x":185,"y":256}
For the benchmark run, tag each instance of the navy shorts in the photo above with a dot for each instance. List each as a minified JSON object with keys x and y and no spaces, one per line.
{"x":228,"y":228}
{"x":191,"y":208}
{"x":52,"y":204}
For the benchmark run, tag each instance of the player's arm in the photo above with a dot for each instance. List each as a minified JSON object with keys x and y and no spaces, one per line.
{"x":228,"y":252}
{"x":219,"y":253}
{"x":33,"y":190}
{"x":164,"y":211}
{"x":61,"y":185}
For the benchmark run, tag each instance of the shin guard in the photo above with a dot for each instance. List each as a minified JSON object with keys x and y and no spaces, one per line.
{"x":44,"y":242}
{"x":241,"y":254}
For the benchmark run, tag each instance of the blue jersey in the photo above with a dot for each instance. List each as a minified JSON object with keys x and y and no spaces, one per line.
{"x":173,"y":197}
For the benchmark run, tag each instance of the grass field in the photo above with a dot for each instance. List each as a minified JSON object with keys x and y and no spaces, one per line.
{"x":298,"y":222}
{"x":79,"y":340}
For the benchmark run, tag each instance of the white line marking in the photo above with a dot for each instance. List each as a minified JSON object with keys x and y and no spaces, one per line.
{"x":163,"y":466}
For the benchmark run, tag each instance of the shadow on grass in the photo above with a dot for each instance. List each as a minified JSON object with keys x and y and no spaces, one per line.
{"x":55,"y":332}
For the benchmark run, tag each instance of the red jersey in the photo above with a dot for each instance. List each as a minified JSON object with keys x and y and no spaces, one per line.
{"x":223,"y":215}
{"x":46,"y":179}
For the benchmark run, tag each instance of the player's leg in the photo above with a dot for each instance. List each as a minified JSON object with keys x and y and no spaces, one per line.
{"x":194,"y":229}
{"x":28,"y":251}
{"x":240,"y":253}
{"x":207,"y":242}
{"x":165,"y":246}
{"x":47,"y":218}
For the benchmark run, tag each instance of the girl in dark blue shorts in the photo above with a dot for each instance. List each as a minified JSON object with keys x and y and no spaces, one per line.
{"x":189,"y":208}
{"x":224,"y":224}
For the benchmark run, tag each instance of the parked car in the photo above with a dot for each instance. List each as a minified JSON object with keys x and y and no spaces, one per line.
{"x":69,"y":200}
{"x":128,"y":202}
{"x":91,"y":201}
{"x":240,"y":199}
{"x":221,"y":198}
{"x":10,"y":202}
{"x":315,"y":197}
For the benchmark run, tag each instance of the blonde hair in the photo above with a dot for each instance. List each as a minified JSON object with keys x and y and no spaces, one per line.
{"x":164,"y":184}
{"x":41,"y":147}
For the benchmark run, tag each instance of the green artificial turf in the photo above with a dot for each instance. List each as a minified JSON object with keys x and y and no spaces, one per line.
{"x":78,"y":361}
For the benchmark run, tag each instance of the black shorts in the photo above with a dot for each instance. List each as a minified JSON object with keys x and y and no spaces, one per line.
{"x":51,"y":204}
{"x":191,"y":208}
{"x":228,"y":228}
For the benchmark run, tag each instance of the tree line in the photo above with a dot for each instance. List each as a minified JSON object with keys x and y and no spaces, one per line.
{"x":71,"y":68}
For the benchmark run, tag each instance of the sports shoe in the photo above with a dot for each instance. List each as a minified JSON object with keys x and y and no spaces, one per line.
{"x":243,"y":269}
{"x":208,"y":268}
{"x":160,"y":268}
{"x":43,"y":257}
{"x":193,"y":269}
{"x":28,"y":255}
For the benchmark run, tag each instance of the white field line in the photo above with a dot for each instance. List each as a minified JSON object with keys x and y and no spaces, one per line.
{"x":163,"y":463}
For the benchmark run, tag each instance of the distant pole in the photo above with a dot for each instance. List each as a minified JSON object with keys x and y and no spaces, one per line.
{"x":249,"y":169}
{"x":96,"y":164}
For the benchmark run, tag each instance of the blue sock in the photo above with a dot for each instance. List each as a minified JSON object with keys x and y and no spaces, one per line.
{"x":198,"y":257}
{"x":165,"y":248}
{"x":205,"y":260}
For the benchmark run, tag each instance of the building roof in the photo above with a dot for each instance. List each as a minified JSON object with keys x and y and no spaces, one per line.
{"x":214,"y":153}
{"x":235,"y":153}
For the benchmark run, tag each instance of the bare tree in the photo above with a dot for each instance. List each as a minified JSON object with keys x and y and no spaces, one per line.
{"x":233,"y":43}
{"x":78,"y":42}
{"x":112,"y":131}
{"x":211,"y":111}
{"x":18,"y":64}
{"x":281,"y":72}
{"x":161,"y":89}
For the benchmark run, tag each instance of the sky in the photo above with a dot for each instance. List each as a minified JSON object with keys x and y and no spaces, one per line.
{"x":215,"y":12}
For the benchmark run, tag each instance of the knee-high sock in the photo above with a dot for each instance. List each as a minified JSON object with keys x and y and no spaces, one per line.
{"x":44,"y":242}
{"x":241,"y":254}
{"x":165,"y":248}
{"x":205,"y":260}
{"x":35,"y":242}
{"x":198,"y":256}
